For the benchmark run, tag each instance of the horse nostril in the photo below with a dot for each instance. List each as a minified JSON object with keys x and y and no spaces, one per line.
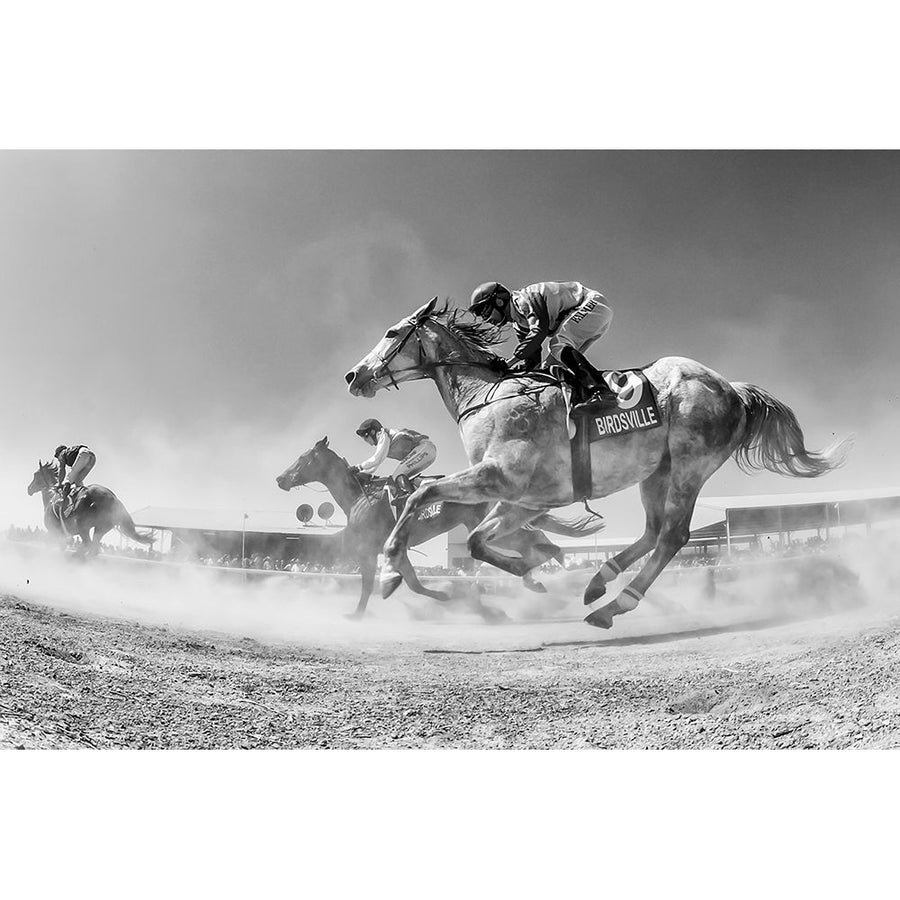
{"x":349,"y":377}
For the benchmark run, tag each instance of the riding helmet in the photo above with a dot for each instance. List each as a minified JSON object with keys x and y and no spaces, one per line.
{"x":368,"y":425}
{"x":59,"y":449}
{"x":491,"y":293}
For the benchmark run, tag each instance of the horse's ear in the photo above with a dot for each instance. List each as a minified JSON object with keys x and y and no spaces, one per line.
{"x":424,"y":311}
{"x":323,"y":442}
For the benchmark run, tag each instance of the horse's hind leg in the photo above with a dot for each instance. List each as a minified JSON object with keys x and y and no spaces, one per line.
{"x":653,"y":496}
{"x":85,"y":549}
{"x":96,"y":540}
{"x":688,"y":475}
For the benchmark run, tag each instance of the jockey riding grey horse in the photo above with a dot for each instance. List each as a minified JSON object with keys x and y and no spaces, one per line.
{"x":566,"y":312}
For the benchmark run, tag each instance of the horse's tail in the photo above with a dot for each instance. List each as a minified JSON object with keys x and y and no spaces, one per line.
{"x":773,"y":439}
{"x":125,"y":524}
{"x":581,"y":526}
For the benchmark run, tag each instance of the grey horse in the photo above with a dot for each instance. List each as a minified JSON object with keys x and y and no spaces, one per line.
{"x":514,"y":431}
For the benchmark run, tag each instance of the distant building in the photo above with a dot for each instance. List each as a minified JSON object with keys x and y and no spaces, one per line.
{"x":199,"y":532}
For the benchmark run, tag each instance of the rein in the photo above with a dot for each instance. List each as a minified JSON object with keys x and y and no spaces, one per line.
{"x":424,"y":366}
{"x":531,"y":392}
{"x":55,"y":496}
{"x":362,"y":490}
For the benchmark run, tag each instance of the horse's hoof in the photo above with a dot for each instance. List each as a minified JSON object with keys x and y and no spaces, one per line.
{"x":493,"y":616}
{"x":594,"y":591}
{"x":603,"y":617}
{"x":355,"y":616}
{"x":600,"y":618}
{"x":390,"y":581}
{"x":442,"y":597}
{"x":535,"y":586}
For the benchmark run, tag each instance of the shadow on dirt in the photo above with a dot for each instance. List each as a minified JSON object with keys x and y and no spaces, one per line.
{"x":644,"y":639}
{"x":669,"y":636}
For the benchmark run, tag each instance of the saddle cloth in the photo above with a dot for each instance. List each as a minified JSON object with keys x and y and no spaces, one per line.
{"x":628,"y":403}
{"x":378,"y":489}
{"x":619,"y":402}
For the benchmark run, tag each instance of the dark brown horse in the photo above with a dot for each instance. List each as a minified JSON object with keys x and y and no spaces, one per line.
{"x":97,"y":511}
{"x":370,"y":520}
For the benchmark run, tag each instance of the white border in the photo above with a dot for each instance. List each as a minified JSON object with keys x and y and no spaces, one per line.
{"x":486,"y":74}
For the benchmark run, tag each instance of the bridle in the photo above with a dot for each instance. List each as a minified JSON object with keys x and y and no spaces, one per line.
{"x":385,"y":361}
{"x":46,"y":475}
{"x":324,"y":490}
{"x":424,"y":366}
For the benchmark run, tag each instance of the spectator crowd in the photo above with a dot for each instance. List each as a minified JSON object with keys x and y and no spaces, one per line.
{"x":761,"y":549}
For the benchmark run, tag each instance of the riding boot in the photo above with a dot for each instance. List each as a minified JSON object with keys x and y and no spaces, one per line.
{"x":399,"y":489}
{"x":587,"y":378}
{"x":404,"y":484}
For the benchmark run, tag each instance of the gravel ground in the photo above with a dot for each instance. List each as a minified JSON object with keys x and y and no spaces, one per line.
{"x":80,"y":680}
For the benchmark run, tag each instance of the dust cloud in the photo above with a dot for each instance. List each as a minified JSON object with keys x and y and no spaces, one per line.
{"x":861,"y":580}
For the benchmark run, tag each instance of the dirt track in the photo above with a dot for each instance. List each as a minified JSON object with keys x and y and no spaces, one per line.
{"x":69,"y":681}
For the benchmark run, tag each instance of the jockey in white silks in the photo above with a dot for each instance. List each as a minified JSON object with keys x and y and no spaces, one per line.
{"x":414,"y":451}
{"x":566,"y":312}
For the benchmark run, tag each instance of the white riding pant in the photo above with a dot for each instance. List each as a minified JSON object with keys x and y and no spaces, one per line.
{"x":83,"y":464}
{"x":587,"y":323}
{"x":417,"y":461}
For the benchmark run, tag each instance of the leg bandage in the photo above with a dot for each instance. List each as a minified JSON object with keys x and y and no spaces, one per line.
{"x":610,"y":570}
{"x":629,"y":598}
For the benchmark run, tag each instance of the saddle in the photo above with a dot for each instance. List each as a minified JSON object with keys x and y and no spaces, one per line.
{"x":394,"y":490}
{"x":64,"y":509}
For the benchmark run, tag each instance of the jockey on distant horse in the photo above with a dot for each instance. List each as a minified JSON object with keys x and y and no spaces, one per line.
{"x":79,"y":459}
{"x":414,"y":451}
{"x":566,"y":312}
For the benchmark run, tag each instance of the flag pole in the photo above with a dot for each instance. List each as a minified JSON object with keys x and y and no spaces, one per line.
{"x":244,"y":544}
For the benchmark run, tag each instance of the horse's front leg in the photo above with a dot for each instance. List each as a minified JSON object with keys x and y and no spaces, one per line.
{"x":367,"y":566}
{"x":503,"y":520}
{"x":484,"y":481}
{"x":408,"y":573}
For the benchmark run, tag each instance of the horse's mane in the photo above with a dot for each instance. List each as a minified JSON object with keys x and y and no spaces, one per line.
{"x":471,"y":330}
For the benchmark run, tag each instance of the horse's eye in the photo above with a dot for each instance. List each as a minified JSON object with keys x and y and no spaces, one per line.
{"x":390,"y":333}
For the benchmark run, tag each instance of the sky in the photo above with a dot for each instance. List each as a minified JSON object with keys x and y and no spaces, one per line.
{"x":191,"y":315}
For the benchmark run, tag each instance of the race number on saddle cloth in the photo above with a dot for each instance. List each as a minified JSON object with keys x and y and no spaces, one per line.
{"x":618,"y":402}
{"x":628,"y":405}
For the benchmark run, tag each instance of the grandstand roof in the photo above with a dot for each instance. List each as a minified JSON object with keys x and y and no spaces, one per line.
{"x":258,"y":521}
{"x":807,"y":497}
{"x":771,"y":513}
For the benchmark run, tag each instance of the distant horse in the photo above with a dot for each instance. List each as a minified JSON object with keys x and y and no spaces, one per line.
{"x":515,"y":433}
{"x":97,"y":508}
{"x":370,"y":520}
